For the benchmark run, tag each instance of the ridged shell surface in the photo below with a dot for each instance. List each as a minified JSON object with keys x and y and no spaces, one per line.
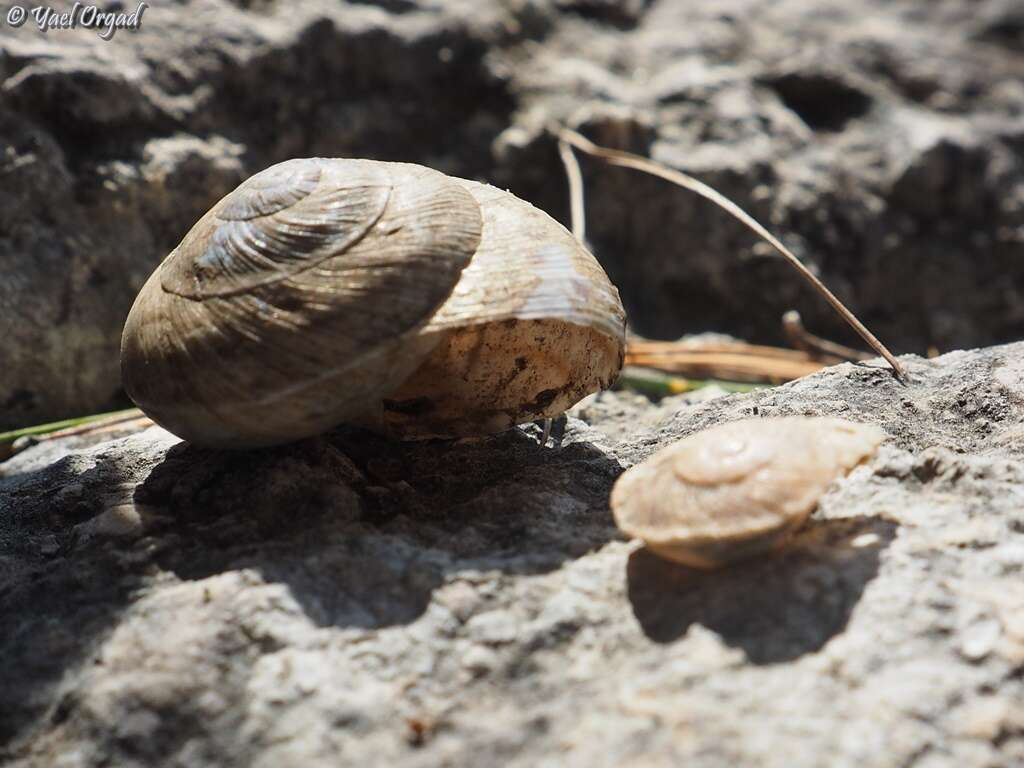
{"x":529,"y":267}
{"x":297,"y":299}
{"x":532,"y":326}
{"x":737,"y":489}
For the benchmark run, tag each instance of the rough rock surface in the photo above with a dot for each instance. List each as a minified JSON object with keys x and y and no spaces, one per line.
{"x":882,"y":138}
{"x":348,"y":600}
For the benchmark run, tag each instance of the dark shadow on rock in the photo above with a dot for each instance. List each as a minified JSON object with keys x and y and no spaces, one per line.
{"x":59,"y":596}
{"x":774,"y":608}
{"x":362,"y":529}
{"x":823,"y":101}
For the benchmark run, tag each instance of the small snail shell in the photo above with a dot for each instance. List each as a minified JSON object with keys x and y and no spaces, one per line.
{"x":737,"y":489}
{"x":324,"y":290}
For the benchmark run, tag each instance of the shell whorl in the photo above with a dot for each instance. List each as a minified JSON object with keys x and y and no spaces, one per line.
{"x":529,"y":267}
{"x":282,"y":221}
{"x":297,"y":299}
{"x":532,"y":326}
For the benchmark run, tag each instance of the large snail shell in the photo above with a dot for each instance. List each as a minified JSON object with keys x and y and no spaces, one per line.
{"x":737,"y":489}
{"x":297,"y":299}
{"x":306,"y":297}
{"x":533,"y":325}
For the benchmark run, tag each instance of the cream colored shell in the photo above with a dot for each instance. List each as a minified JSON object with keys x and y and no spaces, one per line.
{"x":532,"y":327}
{"x":737,"y":489}
{"x":325,"y":290}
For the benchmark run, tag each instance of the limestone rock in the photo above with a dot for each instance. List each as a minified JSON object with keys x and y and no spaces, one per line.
{"x":347,"y":599}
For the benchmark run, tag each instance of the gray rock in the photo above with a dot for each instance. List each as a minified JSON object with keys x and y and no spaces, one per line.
{"x":881,"y":140}
{"x":350,"y":600}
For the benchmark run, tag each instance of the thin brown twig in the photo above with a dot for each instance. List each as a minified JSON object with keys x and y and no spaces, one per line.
{"x":629,"y":160}
{"x":575,"y":177}
{"x":806,"y":341}
{"x":579,"y":223}
{"x":726,"y":365}
{"x":730,"y":347}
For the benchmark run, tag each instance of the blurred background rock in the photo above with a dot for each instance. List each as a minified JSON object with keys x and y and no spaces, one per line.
{"x":882,"y":139}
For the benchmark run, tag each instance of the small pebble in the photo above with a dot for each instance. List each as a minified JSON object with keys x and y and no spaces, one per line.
{"x":70,"y":492}
{"x":493,"y":627}
{"x":49,"y":545}
{"x":122,"y":520}
{"x":480,"y":660}
{"x":461,"y":599}
{"x":983,"y":718}
{"x":980,"y":639}
{"x":865,"y":540}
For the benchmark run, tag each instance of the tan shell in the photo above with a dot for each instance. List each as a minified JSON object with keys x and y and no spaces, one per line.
{"x":532,"y":327}
{"x":737,"y":489}
{"x":310,"y":294}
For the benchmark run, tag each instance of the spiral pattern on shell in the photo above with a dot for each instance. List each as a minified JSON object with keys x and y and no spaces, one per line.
{"x":737,"y":489}
{"x":323,"y":291}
